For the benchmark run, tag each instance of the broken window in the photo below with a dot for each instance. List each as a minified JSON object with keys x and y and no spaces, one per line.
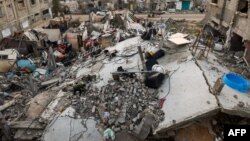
{"x":215,"y":1}
{"x":171,"y":5}
{"x":243,"y":6}
{"x":3,"y":57}
{"x":21,"y":4}
{"x":45,"y":12}
{"x":236,"y":43}
{"x":33,"y":2}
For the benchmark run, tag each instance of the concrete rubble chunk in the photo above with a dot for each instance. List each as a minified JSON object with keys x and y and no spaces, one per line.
{"x":144,"y":128}
{"x":131,"y":127}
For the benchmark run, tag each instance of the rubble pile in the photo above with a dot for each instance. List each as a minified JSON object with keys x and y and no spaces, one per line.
{"x":119,"y":104}
{"x":63,"y":73}
{"x":17,"y":109}
{"x":235,"y":63}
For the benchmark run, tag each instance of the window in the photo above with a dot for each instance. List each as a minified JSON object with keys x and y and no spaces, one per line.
{"x":33,"y":2}
{"x":21,"y":4}
{"x":215,"y":1}
{"x":243,"y":6}
{"x":46,"y":12}
{"x":3,"y":57}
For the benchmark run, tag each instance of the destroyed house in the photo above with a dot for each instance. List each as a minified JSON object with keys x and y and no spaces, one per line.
{"x":23,"y":47}
{"x":232,"y":19}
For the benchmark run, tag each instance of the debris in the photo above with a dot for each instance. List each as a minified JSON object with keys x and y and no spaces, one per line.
{"x":9,"y":103}
{"x":26,"y":125}
{"x":50,"y":82}
{"x":218,"y":86}
{"x":109,"y":134}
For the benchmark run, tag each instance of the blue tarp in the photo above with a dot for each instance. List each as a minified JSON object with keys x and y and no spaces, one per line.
{"x":25,"y":63}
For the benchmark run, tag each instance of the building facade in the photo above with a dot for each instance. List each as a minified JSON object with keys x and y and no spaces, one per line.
{"x":234,"y":14}
{"x":17,"y":15}
{"x":232,"y":19}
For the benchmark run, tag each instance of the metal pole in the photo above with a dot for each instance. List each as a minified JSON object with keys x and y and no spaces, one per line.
{"x":142,"y":58}
{"x":132,"y":72}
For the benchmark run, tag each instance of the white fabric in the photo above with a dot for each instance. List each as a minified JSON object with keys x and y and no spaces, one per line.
{"x":158,"y":68}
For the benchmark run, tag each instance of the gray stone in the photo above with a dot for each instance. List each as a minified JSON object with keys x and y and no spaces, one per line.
{"x":123,"y":127}
{"x":121,"y":120}
{"x":131,"y":127}
{"x":134,"y":106}
{"x":117,"y":123}
{"x":122,"y":89}
{"x":117,"y":129}
{"x":111,"y":121}
{"x":117,"y":110}
{"x":119,"y":103}
{"x":93,"y":109}
{"x":134,"y":119}
{"x":140,"y":108}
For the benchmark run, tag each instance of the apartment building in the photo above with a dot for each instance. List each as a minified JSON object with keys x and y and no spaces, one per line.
{"x":230,"y":14}
{"x":232,"y":19}
{"x":16,"y":15}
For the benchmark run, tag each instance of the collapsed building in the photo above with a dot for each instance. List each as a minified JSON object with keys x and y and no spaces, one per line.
{"x":231,"y":19}
{"x":118,"y":77}
{"x":22,"y":14}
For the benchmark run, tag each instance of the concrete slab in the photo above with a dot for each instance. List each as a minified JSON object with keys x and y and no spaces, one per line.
{"x":189,"y":97}
{"x":69,"y":129}
{"x":233,"y":102}
{"x":128,"y":63}
{"x":211,"y":68}
{"x":230,"y":100}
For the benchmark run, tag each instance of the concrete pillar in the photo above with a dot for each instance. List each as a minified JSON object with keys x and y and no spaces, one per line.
{"x":247,"y":52}
{"x":5,"y":11}
{"x":14,"y":9}
{"x":246,"y":38}
{"x":27,"y":4}
{"x":247,"y":33}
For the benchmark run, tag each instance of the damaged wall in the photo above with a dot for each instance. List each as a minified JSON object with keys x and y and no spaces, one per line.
{"x":20,"y":14}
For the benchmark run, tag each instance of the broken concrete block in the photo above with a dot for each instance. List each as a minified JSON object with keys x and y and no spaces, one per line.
{"x":122,"y":89}
{"x":123,"y":127}
{"x":134,"y":120}
{"x":134,"y":106}
{"x":93,"y":109}
{"x":117,"y":129}
{"x":111,"y":121}
{"x":131,"y":127}
{"x":121,"y":120}
{"x":218,"y":86}
{"x":145,"y":126}
{"x":117,"y":110}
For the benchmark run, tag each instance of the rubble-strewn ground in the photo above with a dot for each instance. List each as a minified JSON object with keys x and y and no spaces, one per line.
{"x":82,"y":97}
